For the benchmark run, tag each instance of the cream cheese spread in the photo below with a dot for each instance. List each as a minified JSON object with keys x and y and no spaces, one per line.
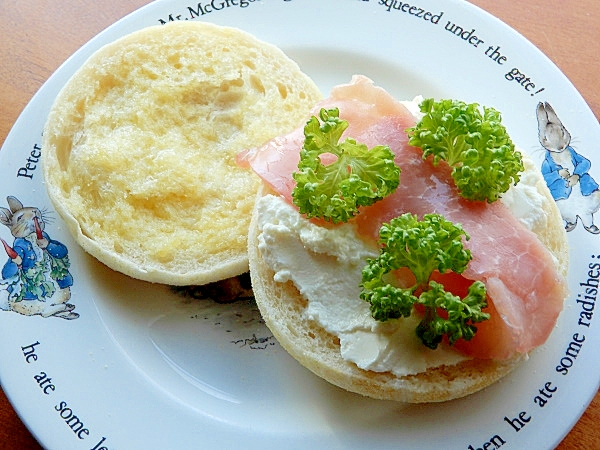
{"x":525,"y":201}
{"x":325,"y":265}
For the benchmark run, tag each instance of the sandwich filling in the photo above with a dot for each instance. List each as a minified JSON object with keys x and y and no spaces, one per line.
{"x":325,"y":264}
{"x":525,"y":289}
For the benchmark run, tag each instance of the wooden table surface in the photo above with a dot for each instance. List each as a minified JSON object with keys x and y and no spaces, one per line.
{"x":36,"y":36}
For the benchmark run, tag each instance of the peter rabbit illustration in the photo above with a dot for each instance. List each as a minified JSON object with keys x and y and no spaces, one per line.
{"x":567,"y":172}
{"x":36,"y":275}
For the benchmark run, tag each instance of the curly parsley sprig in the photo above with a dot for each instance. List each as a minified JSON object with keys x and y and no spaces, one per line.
{"x":358,"y":177}
{"x":433,"y":243}
{"x":477,"y":146}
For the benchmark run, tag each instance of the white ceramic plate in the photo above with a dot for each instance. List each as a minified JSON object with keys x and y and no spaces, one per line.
{"x":143,"y":367}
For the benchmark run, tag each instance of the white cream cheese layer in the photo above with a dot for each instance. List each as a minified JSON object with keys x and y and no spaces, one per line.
{"x":325,"y":264}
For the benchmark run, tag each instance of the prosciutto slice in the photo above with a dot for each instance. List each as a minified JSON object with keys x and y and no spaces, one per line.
{"x":525,"y":289}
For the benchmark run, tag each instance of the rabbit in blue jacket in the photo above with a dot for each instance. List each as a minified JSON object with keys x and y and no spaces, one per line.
{"x":567,"y":172}
{"x":36,"y":275}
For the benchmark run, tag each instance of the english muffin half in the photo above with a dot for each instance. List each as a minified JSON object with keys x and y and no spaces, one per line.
{"x":139,"y":147}
{"x":283,"y":307}
{"x":308,"y":275}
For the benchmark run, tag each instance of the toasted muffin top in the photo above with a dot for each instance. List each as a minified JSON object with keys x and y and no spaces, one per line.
{"x":139,"y":147}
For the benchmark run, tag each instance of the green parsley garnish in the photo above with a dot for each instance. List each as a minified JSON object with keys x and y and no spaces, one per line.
{"x":358,"y":176}
{"x":423,"y":247}
{"x":483,"y":157}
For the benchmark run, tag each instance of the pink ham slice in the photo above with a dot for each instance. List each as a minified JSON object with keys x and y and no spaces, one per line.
{"x":525,"y":290}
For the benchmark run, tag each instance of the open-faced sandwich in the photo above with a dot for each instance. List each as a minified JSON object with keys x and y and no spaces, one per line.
{"x":403,"y":250}
{"x":139,"y":147}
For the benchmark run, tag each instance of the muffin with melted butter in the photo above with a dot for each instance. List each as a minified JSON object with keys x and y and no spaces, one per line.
{"x":139,"y":147}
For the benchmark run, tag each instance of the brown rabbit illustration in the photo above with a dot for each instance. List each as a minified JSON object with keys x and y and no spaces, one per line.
{"x":567,"y":172}
{"x":36,"y":275}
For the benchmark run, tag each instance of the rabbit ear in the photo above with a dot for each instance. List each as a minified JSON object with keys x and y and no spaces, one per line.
{"x":552,"y":117}
{"x":542,"y":117}
{"x":5,"y":216}
{"x":14,"y":204}
{"x":552,"y":133}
